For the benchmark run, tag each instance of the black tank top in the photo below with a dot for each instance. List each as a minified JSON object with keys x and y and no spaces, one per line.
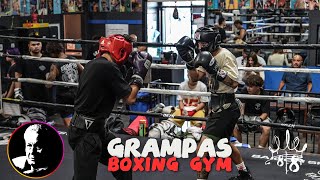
{"x":245,"y":36}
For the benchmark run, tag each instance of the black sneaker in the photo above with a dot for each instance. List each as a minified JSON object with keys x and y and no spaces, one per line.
{"x":243,"y":175}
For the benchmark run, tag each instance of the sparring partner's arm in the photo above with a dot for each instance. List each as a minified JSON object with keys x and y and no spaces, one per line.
{"x":141,"y":63}
{"x":54,"y":72}
{"x":227,"y":74}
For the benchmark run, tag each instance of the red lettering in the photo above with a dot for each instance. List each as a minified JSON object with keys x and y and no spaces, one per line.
{"x":172,"y":164}
{"x":148,"y":160}
{"x":138,"y":164}
{"x":226,"y":164}
{"x":158,"y":164}
{"x":208,"y":163}
{"x":196,"y":164}
{"x":113,"y":164}
{"x":125,"y":164}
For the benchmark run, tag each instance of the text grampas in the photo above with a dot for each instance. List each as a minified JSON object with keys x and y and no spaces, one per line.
{"x":177,"y":148}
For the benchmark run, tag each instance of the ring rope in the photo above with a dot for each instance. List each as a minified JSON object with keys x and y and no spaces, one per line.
{"x":282,"y":34}
{"x":249,"y":46}
{"x":163,"y":115}
{"x":188,"y":93}
{"x":277,"y":69}
{"x":281,"y":24}
{"x":161,"y":66}
{"x":126,"y":112}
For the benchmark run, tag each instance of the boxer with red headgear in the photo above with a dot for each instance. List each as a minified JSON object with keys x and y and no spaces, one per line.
{"x":101,"y":84}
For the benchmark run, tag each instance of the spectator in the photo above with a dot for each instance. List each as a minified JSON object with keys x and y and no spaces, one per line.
{"x":242,"y":33}
{"x":242,"y":61}
{"x":278,"y":58}
{"x":253,"y":62}
{"x":9,"y":93}
{"x":254,"y":109}
{"x":296,"y":81}
{"x":33,"y":69}
{"x":191,"y":105}
{"x":222,"y":26}
{"x":287,"y":52}
{"x":66,"y":72}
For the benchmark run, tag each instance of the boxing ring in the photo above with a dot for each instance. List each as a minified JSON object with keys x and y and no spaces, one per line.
{"x":256,"y":159}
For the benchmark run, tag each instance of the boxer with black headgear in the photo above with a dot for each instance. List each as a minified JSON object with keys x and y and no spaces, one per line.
{"x":222,"y":68}
{"x":100,"y":84}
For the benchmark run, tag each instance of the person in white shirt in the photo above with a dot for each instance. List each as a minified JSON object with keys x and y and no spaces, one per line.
{"x":278,"y":58}
{"x":191,"y":105}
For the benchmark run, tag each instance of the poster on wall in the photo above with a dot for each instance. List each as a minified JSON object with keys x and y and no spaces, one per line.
{"x":42,"y":7}
{"x":305,"y":4}
{"x":269,"y":4}
{"x":246,"y":4}
{"x":56,"y":6}
{"x":213,"y":4}
{"x":5,"y":8}
{"x":136,"y":5}
{"x":71,"y":6}
{"x":94,"y":6}
{"x":258,"y":4}
{"x":16,"y":7}
{"x":104,"y":6}
{"x":126,"y":6}
{"x":232,"y":4}
{"x":115,"y":6}
{"x":117,"y":29}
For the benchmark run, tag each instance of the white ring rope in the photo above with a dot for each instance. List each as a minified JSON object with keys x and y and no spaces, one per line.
{"x":279,"y":69}
{"x":259,"y":28}
{"x":186,"y":93}
{"x":282,"y":34}
{"x":173,"y":66}
{"x":281,"y":24}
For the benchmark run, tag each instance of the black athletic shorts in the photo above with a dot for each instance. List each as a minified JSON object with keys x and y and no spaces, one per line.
{"x":220,"y":125}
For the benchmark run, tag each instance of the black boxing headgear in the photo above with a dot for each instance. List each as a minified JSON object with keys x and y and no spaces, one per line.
{"x":209,"y":34}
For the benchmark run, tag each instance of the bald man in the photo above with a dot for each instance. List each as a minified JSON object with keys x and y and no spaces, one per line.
{"x":296,"y":81}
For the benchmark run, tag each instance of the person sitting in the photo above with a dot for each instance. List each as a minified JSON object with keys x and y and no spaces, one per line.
{"x":191,"y":105}
{"x":253,"y":62}
{"x":278,"y":58}
{"x":254,"y":109}
{"x":296,"y":81}
{"x":242,"y":33}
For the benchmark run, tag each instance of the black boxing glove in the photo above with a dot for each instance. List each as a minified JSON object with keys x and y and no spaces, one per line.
{"x":141,"y":62}
{"x":207,"y":61}
{"x":185,"y":48}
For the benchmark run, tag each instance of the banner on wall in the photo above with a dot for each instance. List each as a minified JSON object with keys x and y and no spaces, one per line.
{"x":116,"y":29}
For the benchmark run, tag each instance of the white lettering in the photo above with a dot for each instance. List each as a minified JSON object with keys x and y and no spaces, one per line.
{"x":151,"y":146}
{"x":131,"y":147}
{"x":175,"y":148}
{"x":223,"y":144}
{"x":207,"y":146}
{"x":188,"y":146}
{"x":115,"y":148}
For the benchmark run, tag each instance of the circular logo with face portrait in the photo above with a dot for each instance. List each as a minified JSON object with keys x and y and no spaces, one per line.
{"x":35,"y":150}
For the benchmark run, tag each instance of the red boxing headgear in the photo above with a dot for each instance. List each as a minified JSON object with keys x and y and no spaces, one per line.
{"x":117,"y":46}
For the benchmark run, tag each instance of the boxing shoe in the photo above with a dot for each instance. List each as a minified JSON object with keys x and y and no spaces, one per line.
{"x":243,"y":175}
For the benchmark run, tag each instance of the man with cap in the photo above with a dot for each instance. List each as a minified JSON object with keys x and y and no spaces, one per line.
{"x":100,"y":84}
{"x":221,"y":65}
